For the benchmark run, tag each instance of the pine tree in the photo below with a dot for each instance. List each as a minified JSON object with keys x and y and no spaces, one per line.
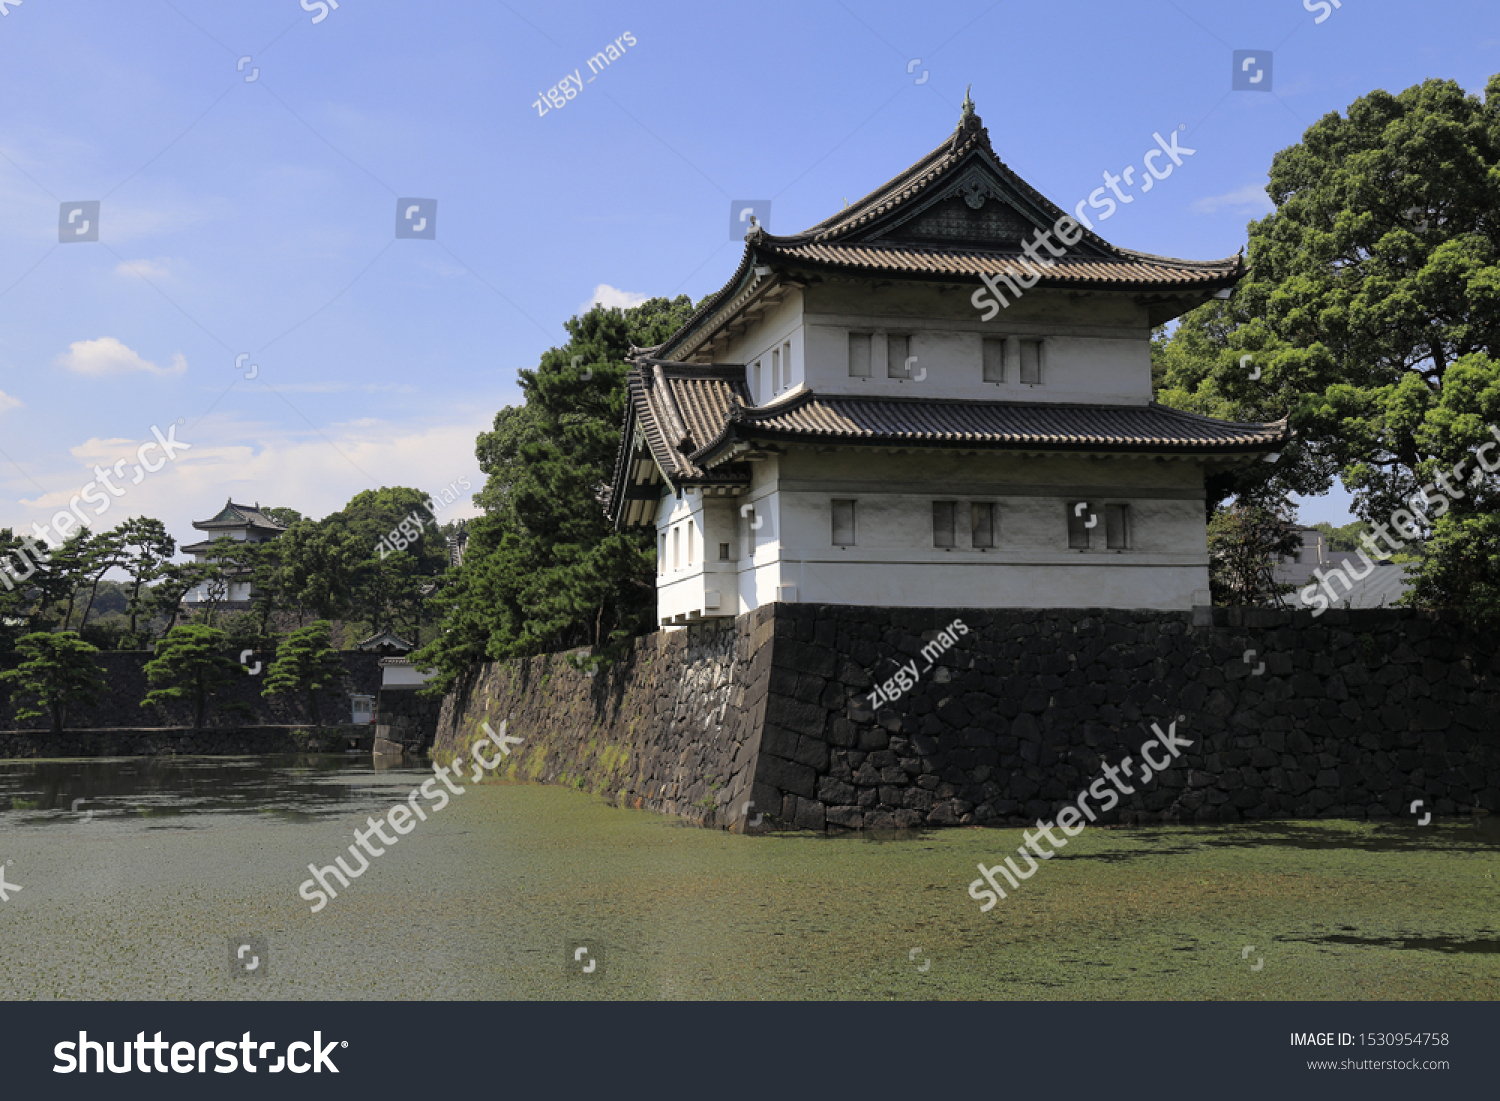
{"x":59,"y":670}
{"x":545,"y":570}
{"x":192,"y":663}
{"x":305,"y":662}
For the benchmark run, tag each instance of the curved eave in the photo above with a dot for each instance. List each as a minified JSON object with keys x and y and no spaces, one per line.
{"x":753,"y":428}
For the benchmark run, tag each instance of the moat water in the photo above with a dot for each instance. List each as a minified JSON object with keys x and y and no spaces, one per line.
{"x":138,"y":877}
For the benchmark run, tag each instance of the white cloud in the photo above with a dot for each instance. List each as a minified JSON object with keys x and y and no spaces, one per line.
{"x":610,"y":297}
{"x":314,"y":472}
{"x":1250,"y":199}
{"x":142,"y":269}
{"x":344,"y":388}
{"x":107,"y":356}
{"x":8,"y":402}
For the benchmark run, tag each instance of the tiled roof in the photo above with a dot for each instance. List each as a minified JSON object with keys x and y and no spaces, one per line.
{"x":1127,"y":270}
{"x":997,"y":425}
{"x":672,"y":410}
{"x":384,"y":639}
{"x":969,"y":136}
{"x":239,"y":516}
{"x":1386,"y":584}
{"x":884,"y":233}
{"x":680,"y":419}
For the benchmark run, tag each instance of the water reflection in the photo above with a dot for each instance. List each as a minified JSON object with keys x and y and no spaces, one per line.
{"x":189,"y":790}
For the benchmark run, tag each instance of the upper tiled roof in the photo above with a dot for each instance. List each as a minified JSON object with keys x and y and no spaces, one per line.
{"x":957,"y":213}
{"x":997,"y":425}
{"x":1127,"y":270}
{"x":238,"y":516}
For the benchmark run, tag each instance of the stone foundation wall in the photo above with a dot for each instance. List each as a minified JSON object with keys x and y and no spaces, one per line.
{"x":406,"y":718}
{"x":1354,"y":714}
{"x":674,"y":727}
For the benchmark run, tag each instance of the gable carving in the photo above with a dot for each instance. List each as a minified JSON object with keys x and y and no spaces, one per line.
{"x":957,"y":219}
{"x":973,"y":208}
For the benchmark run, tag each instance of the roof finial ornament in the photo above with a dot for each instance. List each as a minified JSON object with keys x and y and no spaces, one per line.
{"x":968,"y":105}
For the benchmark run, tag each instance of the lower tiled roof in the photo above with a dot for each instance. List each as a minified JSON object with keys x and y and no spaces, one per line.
{"x":996,"y":424}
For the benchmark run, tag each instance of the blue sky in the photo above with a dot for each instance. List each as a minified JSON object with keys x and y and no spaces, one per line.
{"x":258,"y":216}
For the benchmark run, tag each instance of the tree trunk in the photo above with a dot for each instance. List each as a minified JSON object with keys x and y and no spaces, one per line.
{"x":135,"y":595}
{"x":312,"y":706}
{"x":93,"y":592}
{"x":198,"y":702}
{"x":58,"y":712}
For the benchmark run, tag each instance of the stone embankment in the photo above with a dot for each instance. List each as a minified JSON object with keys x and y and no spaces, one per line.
{"x":1351,"y":715}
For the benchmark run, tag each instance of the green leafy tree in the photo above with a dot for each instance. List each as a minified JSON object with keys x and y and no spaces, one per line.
{"x":58,"y":669}
{"x":318,"y":563}
{"x":18,"y":565}
{"x":544,"y":569}
{"x":53,"y":589}
{"x":191,"y":663}
{"x":1371,"y":316}
{"x":174,"y":581}
{"x":286,"y":517}
{"x":1344,"y":538}
{"x":401,"y":552}
{"x":148,"y":549}
{"x":1244,"y":546}
{"x":259,"y":565}
{"x":499,"y":454}
{"x":306,"y":662}
{"x":106,"y":551}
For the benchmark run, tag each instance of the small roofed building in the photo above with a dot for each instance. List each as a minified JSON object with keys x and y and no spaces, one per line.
{"x":1341,"y":579}
{"x":852,"y":420}
{"x":385,"y":642}
{"x":242,"y":523}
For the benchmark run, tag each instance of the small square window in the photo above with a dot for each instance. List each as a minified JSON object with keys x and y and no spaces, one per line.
{"x":724,"y":552}
{"x":1117,"y":527}
{"x":1031,"y":362}
{"x":994,"y":360}
{"x":897,"y":351}
{"x":982,"y":524}
{"x":942,"y":523}
{"x":859,"y":355}
{"x":843,"y":523}
{"x":1082,"y":518}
